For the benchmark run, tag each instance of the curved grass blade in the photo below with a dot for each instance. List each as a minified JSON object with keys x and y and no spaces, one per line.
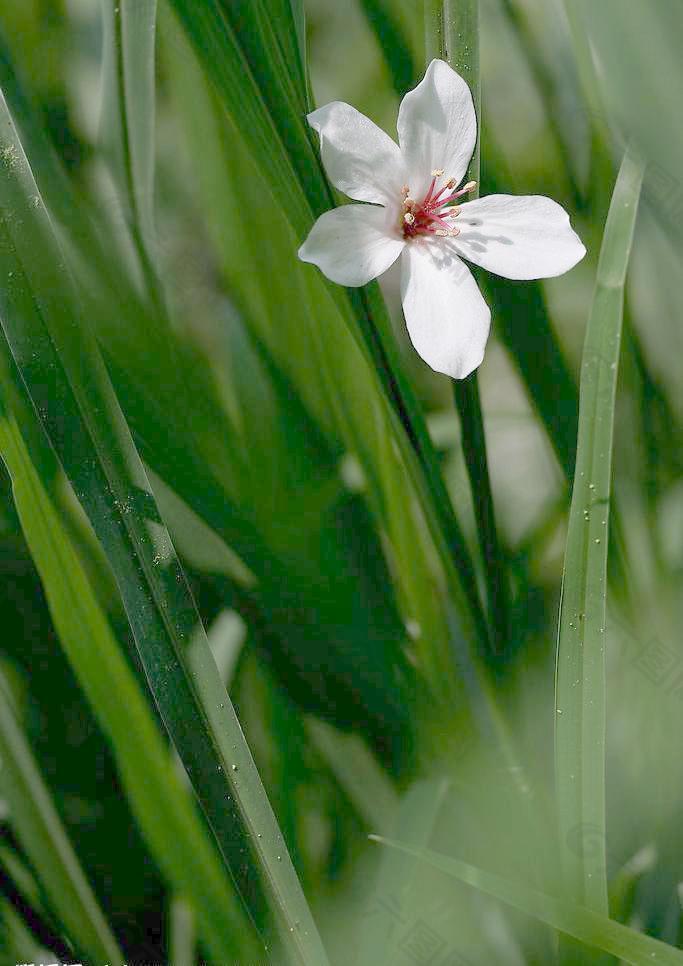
{"x":69,"y":388}
{"x":157,"y":798}
{"x":573,"y":920}
{"x":42,"y":835}
{"x":580,"y":669}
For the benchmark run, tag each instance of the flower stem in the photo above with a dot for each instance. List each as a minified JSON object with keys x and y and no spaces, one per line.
{"x":466,"y":395}
{"x":452,"y":33}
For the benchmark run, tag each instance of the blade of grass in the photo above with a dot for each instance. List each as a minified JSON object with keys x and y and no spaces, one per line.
{"x":164,"y":812}
{"x":181,"y":944}
{"x":42,"y":835}
{"x":400,"y":876}
{"x":127,"y":121}
{"x":383,"y":17}
{"x":580,"y":669}
{"x":574,"y":920}
{"x":358,"y":773}
{"x":23,"y":894}
{"x":64,"y":374}
{"x":546,"y":87}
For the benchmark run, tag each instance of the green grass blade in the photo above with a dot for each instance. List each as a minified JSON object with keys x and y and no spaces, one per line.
{"x":127,"y":119}
{"x":415,"y":821}
{"x":64,"y":374}
{"x":228,"y":41}
{"x":40,"y":831}
{"x":382,"y":16}
{"x":182,"y":940}
{"x":580,"y":672}
{"x":160,"y":803}
{"x":573,"y":920}
{"x":357,"y":772}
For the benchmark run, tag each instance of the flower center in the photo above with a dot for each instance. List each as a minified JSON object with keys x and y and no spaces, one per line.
{"x":435,"y":213}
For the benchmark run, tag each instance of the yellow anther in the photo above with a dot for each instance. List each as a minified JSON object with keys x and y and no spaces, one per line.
{"x":437,"y":172}
{"x":405,"y":190}
{"x":409,"y":218}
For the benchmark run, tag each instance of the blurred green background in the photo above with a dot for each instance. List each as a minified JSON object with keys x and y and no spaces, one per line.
{"x":295,"y":515}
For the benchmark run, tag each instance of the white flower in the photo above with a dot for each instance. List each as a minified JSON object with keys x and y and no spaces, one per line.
{"x":411,"y":213}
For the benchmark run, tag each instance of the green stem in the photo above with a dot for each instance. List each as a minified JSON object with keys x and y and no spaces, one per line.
{"x":466,"y":394}
{"x":452,"y":33}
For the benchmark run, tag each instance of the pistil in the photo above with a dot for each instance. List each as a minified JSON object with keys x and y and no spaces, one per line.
{"x":427,"y":217}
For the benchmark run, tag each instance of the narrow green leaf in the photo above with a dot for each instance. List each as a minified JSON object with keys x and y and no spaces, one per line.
{"x":158,"y":800}
{"x":357,"y":772}
{"x":127,"y":119}
{"x":40,"y":831}
{"x":64,"y":374}
{"x":414,"y":821}
{"x":574,"y":920}
{"x":182,"y":944}
{"x":580,"y":672}
{"x":382,"y":16}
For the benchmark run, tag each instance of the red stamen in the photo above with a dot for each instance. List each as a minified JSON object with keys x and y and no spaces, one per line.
{"x":424,"y":217}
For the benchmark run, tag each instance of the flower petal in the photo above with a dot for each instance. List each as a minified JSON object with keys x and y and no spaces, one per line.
{"x":360,"y":158}
{"x":352,"y":244}
{"x":518,"y":236}
{"x":447,"y":318}
{"x":437,"y":127}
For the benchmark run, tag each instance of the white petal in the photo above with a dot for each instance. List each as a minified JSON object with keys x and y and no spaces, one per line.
{"x":359,"y":158}
{"x":447,"y":318}
{"x":518,"y":236}
{"x":352,"y":244}
{"x":437,"y":127}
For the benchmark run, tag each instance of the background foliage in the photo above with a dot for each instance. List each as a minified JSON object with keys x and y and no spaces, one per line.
{"x":235,"y":504}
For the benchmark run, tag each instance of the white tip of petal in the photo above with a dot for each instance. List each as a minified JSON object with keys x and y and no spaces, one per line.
{"x":446,"y":316}
{"x":360,"y":158}
{"x":352,"y":245}
{"x":518,"y":236}
{"x":437,"y":126}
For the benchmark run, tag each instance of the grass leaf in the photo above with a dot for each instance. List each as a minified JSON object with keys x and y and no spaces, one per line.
{"x":580,"y":670}
{"x":41,"y":833}
{"x":165,"y":813}
{"x":69,"y":388}
{"x":574,"y":920}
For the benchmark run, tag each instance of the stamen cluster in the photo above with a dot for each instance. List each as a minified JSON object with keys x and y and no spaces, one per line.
{"x":428,"y":217}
